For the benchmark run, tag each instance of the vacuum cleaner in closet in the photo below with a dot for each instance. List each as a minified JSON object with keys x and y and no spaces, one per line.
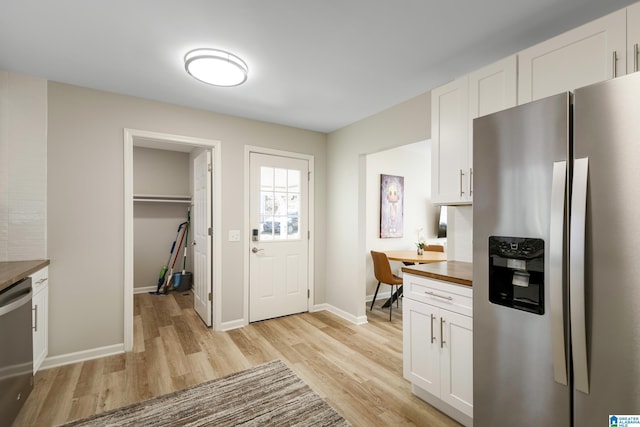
{"x":180,"y":281}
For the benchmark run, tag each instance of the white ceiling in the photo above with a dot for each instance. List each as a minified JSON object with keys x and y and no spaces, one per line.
{"x":317,"y":65}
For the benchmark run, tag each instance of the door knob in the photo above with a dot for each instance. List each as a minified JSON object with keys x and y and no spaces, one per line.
{"x":256,"y":250}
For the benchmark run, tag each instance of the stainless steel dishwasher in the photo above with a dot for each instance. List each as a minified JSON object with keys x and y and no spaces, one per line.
{"x":16,"y":349}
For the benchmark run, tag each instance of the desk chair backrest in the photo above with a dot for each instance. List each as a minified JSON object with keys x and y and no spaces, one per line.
{"x":382,"y":269}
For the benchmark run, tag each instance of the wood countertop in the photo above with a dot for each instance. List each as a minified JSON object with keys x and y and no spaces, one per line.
{"x":412,"y":256}
{"x":14,"y":271}
{"x":451,"y":271}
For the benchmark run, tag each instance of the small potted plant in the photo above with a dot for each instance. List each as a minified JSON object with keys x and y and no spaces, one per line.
{"x":420,"y":244}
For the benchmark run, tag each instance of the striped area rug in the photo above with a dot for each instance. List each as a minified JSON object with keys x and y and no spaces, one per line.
{"x":266,"y":395}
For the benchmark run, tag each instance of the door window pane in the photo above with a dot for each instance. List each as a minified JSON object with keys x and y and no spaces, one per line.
{"x":279,"y":203}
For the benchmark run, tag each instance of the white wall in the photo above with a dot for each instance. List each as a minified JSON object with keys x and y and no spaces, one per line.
{"x":86,"y":196}
{"x":460,"y":233}
{"x":23,"y":167}
{"x":413,"y":162}
{"x":347,"y":255}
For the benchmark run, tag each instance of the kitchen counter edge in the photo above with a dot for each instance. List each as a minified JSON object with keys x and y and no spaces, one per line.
{"x":14,"y":271}
{"x":450,"y":271}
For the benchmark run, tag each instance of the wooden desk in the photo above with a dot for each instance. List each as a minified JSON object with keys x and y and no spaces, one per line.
{"x":412,"y":257}
{"x":409,"y":258}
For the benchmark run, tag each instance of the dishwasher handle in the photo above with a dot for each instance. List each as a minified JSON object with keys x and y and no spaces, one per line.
{"x":20,"y":299}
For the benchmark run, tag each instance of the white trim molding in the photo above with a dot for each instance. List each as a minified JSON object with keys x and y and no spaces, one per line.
{"x":159,"y":139}
{"x":248,"y":149}
{"x":356,"y":320}
{"x":81,"y":356}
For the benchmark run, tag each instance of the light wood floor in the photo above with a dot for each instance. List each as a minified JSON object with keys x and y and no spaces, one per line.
{"x":357,"y":369}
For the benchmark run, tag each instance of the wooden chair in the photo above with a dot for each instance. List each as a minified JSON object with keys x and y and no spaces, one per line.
{"x":383,"y":273}
{"x":434,"y":248}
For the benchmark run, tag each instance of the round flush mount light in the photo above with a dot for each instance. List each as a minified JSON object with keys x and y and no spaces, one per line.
{"x":216,"y":67}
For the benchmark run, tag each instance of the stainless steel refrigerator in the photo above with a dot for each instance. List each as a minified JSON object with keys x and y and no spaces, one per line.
{"x":556,"y":259}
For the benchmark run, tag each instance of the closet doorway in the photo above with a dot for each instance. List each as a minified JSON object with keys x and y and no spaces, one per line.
{"x":164,"y":176}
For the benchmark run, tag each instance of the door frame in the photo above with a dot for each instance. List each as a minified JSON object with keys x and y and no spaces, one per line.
{"x":246,"y":246}
{"x":159,"y":139}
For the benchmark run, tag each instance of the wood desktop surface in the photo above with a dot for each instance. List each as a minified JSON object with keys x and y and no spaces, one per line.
{"x":412,"y":256}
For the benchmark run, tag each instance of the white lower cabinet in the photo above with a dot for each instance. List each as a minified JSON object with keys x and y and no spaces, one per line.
{"x":438,"y":344}
{"x":40,"y":316}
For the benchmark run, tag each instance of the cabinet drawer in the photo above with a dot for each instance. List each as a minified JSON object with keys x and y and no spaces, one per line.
{"x":40,"y":279}
{"x":447,"y":295}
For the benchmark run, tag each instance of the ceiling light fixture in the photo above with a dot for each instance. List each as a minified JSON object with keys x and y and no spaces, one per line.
{"x":216,"y":67}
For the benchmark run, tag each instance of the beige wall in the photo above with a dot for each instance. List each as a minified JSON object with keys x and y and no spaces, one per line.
{"x":23,"y":167}
{"x":403,"y":124}
{"x":85,"y":203}
{"x":161,"y":173}
{"x":460,"y":233}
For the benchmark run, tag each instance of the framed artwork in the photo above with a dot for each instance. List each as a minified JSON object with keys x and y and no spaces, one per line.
{"x":391,"y":206}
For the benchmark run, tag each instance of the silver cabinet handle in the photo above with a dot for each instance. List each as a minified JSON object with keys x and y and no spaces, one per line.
{"x":433,"y":338}
{"x":442,"y":341}
{"x":35,"y":322}
{"x":557,"y":234}
{"x":41,"y":281}
{"x":576,"y":274}
{"x":470,"y":182}
{"x":256,"y":250}
{"x":635,"y":57}
{"x":433,"y":294}
{"x":461,"y":177}
{"x":615,"y":64}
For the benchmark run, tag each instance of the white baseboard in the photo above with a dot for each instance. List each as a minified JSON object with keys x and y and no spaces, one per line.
{"x":454,"y":413}
{"x":381,"y":296}
{"x":356,"y":320}
{"x":234,"y":324}
{"x":81,"y":356}
{"x":144,"y":289}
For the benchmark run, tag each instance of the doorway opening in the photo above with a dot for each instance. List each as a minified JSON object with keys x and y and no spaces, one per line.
{"x":176,"y":147}
{"x":420,"y":216}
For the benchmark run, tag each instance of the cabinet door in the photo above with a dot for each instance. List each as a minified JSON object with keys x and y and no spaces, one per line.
{"x":633,"y":38}
{"x":421,"y":351}
{"x":40,"y":307}
{"x":450,"y":142}
{"x":574,"y":59}
{"x":491,"y":89}
{"x":457,"y":361}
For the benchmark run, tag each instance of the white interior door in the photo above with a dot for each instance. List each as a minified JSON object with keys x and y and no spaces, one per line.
{"x":201,"y":224}
{"x":279,"y":259}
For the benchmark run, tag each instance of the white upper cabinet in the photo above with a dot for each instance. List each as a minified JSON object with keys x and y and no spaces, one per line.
{"x":491,"y":89}
{"x":588,"y":54}
{"x":450,"y":142}
{"x":633,"y":38}
{"x":453,"y":108}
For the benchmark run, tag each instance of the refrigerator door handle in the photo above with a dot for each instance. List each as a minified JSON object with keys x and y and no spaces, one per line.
{"x":576,"y":274}
{"x":556,"y":255}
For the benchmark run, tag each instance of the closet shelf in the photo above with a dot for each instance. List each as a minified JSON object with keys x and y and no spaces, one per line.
{"x":157,"y":198}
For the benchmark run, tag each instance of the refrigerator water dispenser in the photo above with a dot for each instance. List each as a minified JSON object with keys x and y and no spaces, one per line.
{"x":516,"y":273}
